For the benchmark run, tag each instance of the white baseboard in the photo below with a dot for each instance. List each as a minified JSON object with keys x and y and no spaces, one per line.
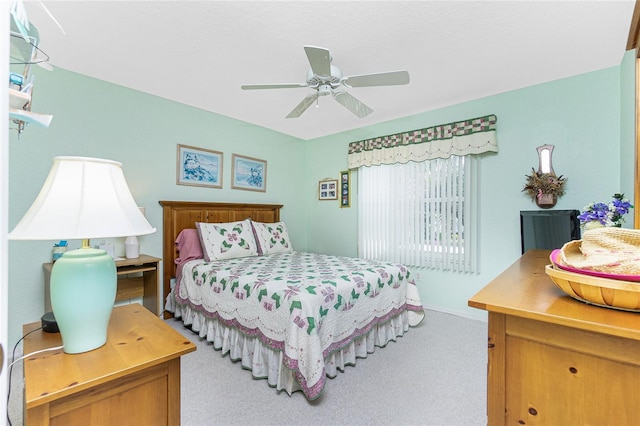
{"x":481,"y":315}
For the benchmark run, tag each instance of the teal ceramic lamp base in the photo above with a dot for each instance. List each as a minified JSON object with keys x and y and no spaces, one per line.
{"x":83,"y":291}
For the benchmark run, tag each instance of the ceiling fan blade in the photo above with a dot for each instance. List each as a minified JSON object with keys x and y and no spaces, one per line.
{"x":302,"y":106}
{"x":273,"y":86}
{"x":319,"y":59}
{"x":392,"y":78}
{"x":352,"y":104}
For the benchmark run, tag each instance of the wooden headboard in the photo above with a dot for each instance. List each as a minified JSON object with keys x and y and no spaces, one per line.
{"x":179,"y":215}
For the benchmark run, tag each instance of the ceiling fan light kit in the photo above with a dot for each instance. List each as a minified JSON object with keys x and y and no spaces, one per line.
{"x":326,"y":79}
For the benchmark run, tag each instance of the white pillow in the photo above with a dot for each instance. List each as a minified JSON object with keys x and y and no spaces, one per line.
{"x":272,"y":238}
{"x":227,"y":240}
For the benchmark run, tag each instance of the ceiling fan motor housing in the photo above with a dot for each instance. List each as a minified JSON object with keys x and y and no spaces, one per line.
{"x":324,"y":89}
{"x":333,"y":80}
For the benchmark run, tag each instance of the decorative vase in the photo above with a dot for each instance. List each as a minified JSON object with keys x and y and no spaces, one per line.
{"x":132,"y":248}
{"x":592,"y":225}
{"x":546,"y":201}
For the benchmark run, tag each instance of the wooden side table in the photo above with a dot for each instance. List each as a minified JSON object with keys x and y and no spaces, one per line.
{"x":136,"y":278}
{"x":133,"y":379}
{"x":555,"y":360}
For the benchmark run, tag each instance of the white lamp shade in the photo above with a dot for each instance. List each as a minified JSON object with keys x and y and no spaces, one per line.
{"x":82,"y":198}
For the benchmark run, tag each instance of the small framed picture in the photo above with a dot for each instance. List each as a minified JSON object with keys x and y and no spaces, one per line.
{"x":328,"y":189}
{"x":248,"y":173}
{"x":198,"y":167}
{"x":345,"y":189}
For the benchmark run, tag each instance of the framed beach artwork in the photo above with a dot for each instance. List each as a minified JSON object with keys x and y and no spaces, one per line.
{"x":248,"y":173}
{"x":199,"y":167}
{"x":345,"y":189}
{"x":328,"y":189}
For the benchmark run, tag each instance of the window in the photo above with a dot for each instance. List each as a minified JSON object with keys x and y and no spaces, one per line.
{"x":419,"y":213}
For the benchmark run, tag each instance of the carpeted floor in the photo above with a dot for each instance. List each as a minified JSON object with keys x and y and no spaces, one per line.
{"x":434,"y":375}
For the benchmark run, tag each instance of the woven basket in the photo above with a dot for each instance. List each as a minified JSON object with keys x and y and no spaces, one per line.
{"x":608,"y":293}
{"x":608,"y":249}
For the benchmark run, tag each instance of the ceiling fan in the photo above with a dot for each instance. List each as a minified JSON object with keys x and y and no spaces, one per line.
{"x":326,"y":79}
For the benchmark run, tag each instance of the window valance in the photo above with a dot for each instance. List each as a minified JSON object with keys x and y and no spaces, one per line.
{"x":473,"y":136}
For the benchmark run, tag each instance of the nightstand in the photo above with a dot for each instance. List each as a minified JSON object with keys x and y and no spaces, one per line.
{"x":136,"y":278}
{"x":133,"y":379}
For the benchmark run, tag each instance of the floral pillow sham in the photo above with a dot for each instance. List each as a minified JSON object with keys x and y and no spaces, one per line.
{"x":227,"y":240}
{"x":272,"y":238}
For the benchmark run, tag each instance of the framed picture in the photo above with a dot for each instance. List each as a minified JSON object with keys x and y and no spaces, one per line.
{"x":248,"y":173}
{"x":198,"y":167}
{"x":328,"y":189}
{"x":345,"y":189}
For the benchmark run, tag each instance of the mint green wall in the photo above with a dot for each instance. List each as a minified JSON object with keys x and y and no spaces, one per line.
{"x":628,"y":127}
{"x":97,"y":119}
{"x":579,"y":115}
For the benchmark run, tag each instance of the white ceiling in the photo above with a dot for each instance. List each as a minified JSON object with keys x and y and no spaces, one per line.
{"x":200,"y":52}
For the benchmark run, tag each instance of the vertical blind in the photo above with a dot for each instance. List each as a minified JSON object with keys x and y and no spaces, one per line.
{"x":419,"y":213}
{"x":417,"y":194}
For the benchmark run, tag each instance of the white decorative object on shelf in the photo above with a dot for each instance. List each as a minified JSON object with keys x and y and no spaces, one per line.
{"x":131,"y":247}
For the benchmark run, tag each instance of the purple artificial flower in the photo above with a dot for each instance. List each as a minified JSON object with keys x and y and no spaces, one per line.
{"x":607,"y":214}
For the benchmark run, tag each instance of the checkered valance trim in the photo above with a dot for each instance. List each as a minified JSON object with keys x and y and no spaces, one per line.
{"x":473,"y":136}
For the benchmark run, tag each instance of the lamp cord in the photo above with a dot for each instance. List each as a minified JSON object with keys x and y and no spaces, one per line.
{"x":36,"y":352}
{"x":13,"y":356}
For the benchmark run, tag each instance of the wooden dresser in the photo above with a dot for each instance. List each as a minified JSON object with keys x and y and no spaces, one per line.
{"x":554,"y":360}
{"x":134,"y":379}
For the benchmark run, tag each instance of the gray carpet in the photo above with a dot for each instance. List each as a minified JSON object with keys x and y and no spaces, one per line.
{"x":434,"y":375}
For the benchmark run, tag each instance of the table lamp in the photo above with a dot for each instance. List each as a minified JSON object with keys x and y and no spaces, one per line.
{"x":83,"y":198}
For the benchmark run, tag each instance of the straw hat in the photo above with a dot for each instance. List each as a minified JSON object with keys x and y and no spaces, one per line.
{"x":609,"y":249}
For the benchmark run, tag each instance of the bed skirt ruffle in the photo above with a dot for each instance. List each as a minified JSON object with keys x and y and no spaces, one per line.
{"x":267,"y":363}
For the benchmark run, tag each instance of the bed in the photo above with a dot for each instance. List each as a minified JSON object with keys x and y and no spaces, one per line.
{"x":291,"y":317}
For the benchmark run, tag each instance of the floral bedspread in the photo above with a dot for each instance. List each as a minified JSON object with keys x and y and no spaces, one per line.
{"x":303,"y":304}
